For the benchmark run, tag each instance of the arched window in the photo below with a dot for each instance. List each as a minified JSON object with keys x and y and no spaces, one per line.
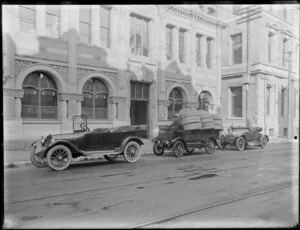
{"x":95,"y":95}
{"x":175,"y":105}
{"x":204,"y":100}
{"x":40,"y":97}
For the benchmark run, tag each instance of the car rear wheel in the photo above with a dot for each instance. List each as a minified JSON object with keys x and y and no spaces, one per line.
{"x":38,"y":161}
{"x":132,"y":152}
{"x":264,"y":142}
{"x":240,"y":143}
{"x":111,"y":157}
{"x":178,"y":148}
{"x":190,"y":150}
{"x":158,"y":150}
{"x":210,"y":146}
{"x":59,"y":157}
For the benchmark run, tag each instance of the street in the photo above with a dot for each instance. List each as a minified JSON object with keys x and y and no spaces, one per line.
{"x":252,"y":188}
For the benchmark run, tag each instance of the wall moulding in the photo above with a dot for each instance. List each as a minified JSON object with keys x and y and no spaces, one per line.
{"x":13,"y":92}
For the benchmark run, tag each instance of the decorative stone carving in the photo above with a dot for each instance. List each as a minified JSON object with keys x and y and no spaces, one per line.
{"x":21,"y":64}
{"x":140,"y":72}
{"x":63,"y":70}
{"x":18,"y":93}
{"x":170,"y":84}
{"x":193,"y":15}
{"x":70,"y":96}
{"x":163,"y":102}
{"x":81,"y":72}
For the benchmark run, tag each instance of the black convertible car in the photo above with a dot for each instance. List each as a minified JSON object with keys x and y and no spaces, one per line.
{"x":57,"y":151}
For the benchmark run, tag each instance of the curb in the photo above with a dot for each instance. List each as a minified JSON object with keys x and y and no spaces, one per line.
{"x":80,"y":159}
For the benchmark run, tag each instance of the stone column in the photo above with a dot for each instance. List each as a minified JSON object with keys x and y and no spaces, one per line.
{"x":18,"y":107}
{"x":78,"y":107}
{"x":95,"y":26}
{"x":40,"y":19}
{"x":64,"y":109}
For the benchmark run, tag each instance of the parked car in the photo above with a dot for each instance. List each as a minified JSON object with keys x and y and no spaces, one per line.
{"x":242,"y":137}
{"x":57,"y":151}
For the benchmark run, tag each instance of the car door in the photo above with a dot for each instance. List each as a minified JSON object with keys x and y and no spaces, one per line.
{"x":93,"y":141}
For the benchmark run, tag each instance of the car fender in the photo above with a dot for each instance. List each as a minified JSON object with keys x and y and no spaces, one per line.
{"x":130,"y":138}
{"x":74,"y":150}
{"x":176,"y":139}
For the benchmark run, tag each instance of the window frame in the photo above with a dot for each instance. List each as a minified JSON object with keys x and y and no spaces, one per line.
{"x":139,"y":24}
{"x":173,"y":100}
{"x":39,"y":90}
{"x":86,"y":23}
{"x":182,"y":45}
{"x":198,"y":50}
{"x":169,"y":46}
{"x":270,"y":46}
{"x":209,"y":43}
{"x":232,"y":102}
{"x":108,"y":10}
{"x":58,"y":19}
{"x":282,"y":102}
{"x":233,"y":59}
{"x":21,"y":19}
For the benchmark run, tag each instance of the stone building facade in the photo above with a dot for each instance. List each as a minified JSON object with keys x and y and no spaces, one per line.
{"x":117,"y":64}
{"x":265,"y":100}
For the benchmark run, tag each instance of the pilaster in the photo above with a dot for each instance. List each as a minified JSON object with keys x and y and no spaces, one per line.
{"x":203,"y":49}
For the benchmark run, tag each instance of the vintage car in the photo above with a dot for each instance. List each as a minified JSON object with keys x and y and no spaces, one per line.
{"x":243,"y":137}
{"x":57,"y":151}
{"x":180,"y":141}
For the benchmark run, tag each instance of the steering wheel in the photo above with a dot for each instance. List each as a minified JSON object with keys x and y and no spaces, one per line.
{"x":84,"y":126}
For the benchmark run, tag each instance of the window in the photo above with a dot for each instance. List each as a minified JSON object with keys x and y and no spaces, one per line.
{"x":208,"y":52}
{"x":271,"y":132}
{"x":175,"y":103}
{"x":270,"y":41}
{"x":236,"y":101}
{"x":139,"y":91}
{"x":181,"y":45}
{"x":236,"y":48}
{"x":40,"y":97}
{"x":169,"y":42}
{"x":204,"y":100}
{"x":285,"y":132}
{"x":284,"y":43}
{"x":94,"y":104}
{"x":53,"y":20}
{"x":139,"y":35}
{"x":282,"y":101}
{"x":85,"y":24}
{"x":268,"y":99}
{"x":198,"y":50}
{"x":284,"y":13}
{"x":105,"y":27}
{"x":27,"y":18}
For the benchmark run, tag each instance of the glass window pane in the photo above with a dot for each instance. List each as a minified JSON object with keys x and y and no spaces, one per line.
{"x":30,"y":111}
{"x":170,"y":110}
{"x":84,"y":32}
{"x":101,"y":100}
{"x":177,"y":94}
{"x":178,"y":106}
{"x":32,"y":80}
{"x":31,"y":97}
{"x":26,"y":26}
{"x":104,"y":37}
{"x":87,"y":100}
{"x":138,"y":90}
{"x":48,"y":98}
{"x":52,"y":24}
{"x":26,"y":13}
{"x":89,"y":112}
{"x":145,"y":91}
{"x":46,"y":83}
{"x":100,"y":87}
{"x":101,"y":113}
{"x":48,"y":112}
{"x":52,"y":9}
{"x":88,"y":86}
{"x":85,"y":14}
{"x":104,"y":17}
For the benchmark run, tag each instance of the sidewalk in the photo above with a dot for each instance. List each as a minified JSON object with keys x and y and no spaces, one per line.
{"x":17,"y":158}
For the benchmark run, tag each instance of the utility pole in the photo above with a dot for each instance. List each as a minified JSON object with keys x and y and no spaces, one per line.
{"x":290,"y":97}
{"x":252,"y":13}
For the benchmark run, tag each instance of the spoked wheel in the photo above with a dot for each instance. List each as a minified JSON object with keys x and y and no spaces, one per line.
{"x":59,"y":157}
{"x":158,"y":150}
{"x":38,"y":161}
{"x":240,"y":143}
{"x":210,"y":146}
{"x":111,"y":157}
{"x":190,"y":150}
{"x":264,"y":142}
{"x":222,"y":146}
{"x":178,"y":148}
{"x":132,"y":152}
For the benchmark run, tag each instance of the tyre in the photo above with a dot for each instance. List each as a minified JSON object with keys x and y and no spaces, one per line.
{"x":132,"y":152}
{"x":240,"y":143}
{"x":111,"y":157}
{"x":59,"y":157}
{"x":38,"y":161}
{"x":178,"y":148}
{"x":158,"y":150}
{"x":264,"y":142}
{"x":210,"y":146}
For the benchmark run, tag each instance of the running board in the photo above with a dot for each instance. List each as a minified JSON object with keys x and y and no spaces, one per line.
{"x":100,"y":153}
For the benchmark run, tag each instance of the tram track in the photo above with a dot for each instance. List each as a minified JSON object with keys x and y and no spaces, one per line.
{"x":187,"y":212}
{"x":181,"y":176}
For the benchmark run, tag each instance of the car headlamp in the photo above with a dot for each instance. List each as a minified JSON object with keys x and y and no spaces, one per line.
{"x":43,"y":140}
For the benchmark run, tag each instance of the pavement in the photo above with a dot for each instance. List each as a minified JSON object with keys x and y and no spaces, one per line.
{"x":19,"y":158}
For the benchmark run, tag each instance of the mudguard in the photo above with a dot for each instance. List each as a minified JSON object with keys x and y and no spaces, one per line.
{"x":176,"y":139}
{"x":72,"y":147}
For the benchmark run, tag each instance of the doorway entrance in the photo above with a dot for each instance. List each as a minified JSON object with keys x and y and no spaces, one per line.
{"x":139,"y":101}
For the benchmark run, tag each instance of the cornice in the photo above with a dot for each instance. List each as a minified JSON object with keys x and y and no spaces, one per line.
{"x":193,"y":15}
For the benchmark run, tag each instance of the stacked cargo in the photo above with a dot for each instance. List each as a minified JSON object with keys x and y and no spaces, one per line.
{"x":200,"y":119}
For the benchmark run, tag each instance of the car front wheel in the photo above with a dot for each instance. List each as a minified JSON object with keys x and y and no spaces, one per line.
{"x":210,"y":146}
{"x":38,"y":161}
{"x":240,"y":143}
{"x":132,"y":152}
{"x":264,"y":142}
{"x":158,"y":150}
{"x":111,"y":157}
{"x":59,"y":157}
{"x":178,"y":148}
